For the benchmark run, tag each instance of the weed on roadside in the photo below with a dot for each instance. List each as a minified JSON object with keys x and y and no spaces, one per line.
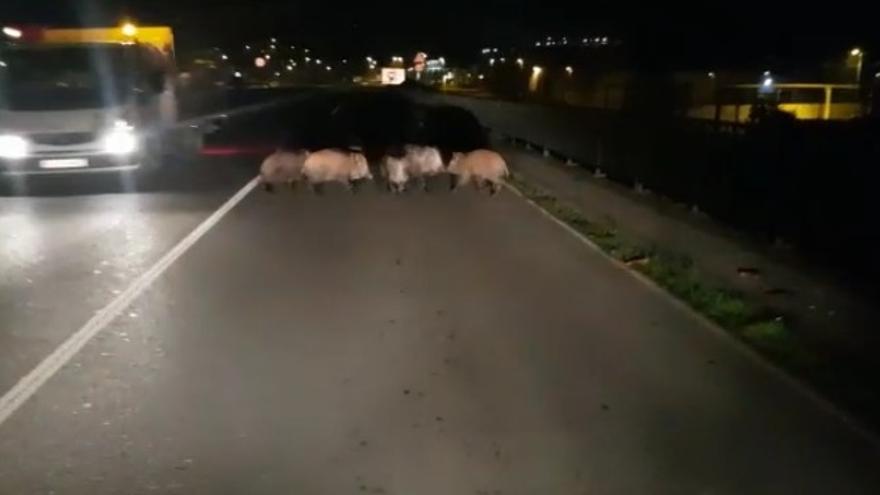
{"x":677,"y":274}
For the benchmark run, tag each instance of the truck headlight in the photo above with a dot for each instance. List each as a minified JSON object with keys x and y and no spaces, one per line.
{"x":121,"y":140}
{"x":13,"y":147}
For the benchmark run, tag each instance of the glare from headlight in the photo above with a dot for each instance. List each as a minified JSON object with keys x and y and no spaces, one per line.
{"x":13,"y":147}
{"x":120,"y":141}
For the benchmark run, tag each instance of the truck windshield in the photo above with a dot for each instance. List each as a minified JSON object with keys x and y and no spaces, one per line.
{"x":63,"y":78}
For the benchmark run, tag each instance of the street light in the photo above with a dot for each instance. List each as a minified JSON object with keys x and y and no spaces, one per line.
{"x":535,"y":80}
{"x":569,"y":69}
{"x":859,"y":55}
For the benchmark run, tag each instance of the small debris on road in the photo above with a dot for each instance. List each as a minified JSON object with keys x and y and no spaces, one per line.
{"x":748,"y":271}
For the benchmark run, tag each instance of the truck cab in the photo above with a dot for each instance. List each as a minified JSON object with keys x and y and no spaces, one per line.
{"x":84,"y":100}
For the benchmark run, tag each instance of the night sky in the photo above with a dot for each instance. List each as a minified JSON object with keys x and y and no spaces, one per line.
{"x":677,"y":34}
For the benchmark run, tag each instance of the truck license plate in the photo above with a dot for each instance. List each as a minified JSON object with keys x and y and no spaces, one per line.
{"x":64,"y":163}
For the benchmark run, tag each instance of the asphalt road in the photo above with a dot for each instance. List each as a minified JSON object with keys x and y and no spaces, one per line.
{"x":424,"y":344}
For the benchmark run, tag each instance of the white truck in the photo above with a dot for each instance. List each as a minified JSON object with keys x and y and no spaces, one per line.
{"x":84,"y":100}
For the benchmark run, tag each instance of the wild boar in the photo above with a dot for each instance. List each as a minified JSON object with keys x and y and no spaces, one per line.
{"x":423,"y":162}
{"x":481,"y":166}
{"x":346,"y":167}
{"x":282,"y":167}
{"x":395,"y":172}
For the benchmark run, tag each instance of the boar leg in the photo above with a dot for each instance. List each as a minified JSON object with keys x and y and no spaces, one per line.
{"x":494,"y":188}
{"x":268,"y":187}
{"x":423,"y":183}
{"x":317,"y":188}
{"x":460,"y":180}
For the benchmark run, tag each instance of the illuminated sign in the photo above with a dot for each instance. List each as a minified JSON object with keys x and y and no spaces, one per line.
{"x":393,"y":76}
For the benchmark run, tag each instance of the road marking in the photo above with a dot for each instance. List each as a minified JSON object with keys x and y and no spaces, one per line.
{"x":31,"y":383}
{"x":778,"y":373}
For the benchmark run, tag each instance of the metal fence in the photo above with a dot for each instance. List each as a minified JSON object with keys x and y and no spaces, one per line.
{"x":812,"y":183}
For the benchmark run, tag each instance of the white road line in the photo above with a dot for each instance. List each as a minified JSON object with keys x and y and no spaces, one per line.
{"x":31,"y":383}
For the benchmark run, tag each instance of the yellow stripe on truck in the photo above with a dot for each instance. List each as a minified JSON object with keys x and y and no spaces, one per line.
{"x":160,"y":37}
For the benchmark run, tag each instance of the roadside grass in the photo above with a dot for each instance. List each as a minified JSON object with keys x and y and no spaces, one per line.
{"x":757,"y":326}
